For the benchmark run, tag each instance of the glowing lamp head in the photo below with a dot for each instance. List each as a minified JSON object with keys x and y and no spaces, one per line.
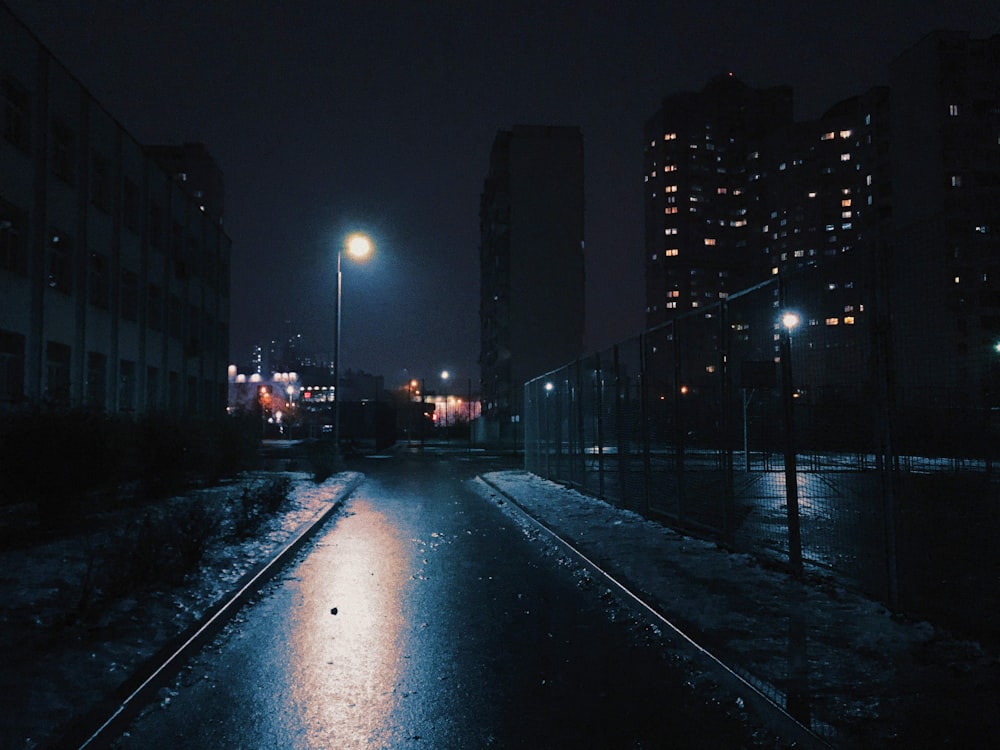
{"x":359,"y":246}
{"x":790,"y":320}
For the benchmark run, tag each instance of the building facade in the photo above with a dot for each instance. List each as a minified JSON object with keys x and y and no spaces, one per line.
{"x":531,"y":264}
{"x":114,"y":273}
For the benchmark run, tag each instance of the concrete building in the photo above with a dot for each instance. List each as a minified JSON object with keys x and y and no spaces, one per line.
{"x":114,"y":274}
{"x":944,"y":248}
{"x":531,"y":265}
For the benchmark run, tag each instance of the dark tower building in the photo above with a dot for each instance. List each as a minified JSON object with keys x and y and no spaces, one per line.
{"x":531,"y":265}
{"x":945,"y":245}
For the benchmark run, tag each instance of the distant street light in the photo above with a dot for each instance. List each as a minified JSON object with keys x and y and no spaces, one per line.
{"x":359,"y":247}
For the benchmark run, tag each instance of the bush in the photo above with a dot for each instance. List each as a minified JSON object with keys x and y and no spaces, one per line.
{"x":257,"y":502}
{"x":322,"y":459}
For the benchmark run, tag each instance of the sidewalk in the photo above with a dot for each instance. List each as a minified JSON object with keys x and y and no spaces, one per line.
{"x":840,"y":663}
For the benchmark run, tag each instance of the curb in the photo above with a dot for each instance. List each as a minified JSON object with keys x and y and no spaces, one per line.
{"x":772,"y":714}
{"x":105,"y":722}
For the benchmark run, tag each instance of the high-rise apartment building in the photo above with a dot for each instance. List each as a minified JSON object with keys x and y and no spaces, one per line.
{"x":944,"y":261}
{"x":701,"y":178}
{"x":531,"y":264}
{"x":114,"y":275}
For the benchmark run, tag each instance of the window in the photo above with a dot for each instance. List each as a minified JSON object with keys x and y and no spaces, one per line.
{"x":670,"y":230}
{"x":845,"y":157}
{"x":152,"y":388}
{"x":833,"y":321}
{"x":953,"y":110}
{"x":154,"y":303}
{"x":956,"y":180}
{"x":131,"y":205}
{"x":11,"y":367}
{"x":130,"y":295}
{"x":709,"y":241}
{"x":671,"y":252}
{"x":57,"y":369}
{"x":16,"y":113}
{"x":670,"y":189}
{"x":60,"y":262}
{"x":100,"y":183}
{"x":670,"y":210}
{"x":97,"y":281}
{"x":155,"y":225}
{"x":13,"y":239}
{"x":63,"y":152}
{"x":670,"y":136}
{"x":126,"y":385}
{"x":97,"y":373}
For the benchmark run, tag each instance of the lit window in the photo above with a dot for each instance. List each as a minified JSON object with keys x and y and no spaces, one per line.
{"x":828,"y":136}
{"x":671,"y":253}
{"x":774,"y":270}
{"x":845,"y":202}
{"x":694,"y":304}
{"x":670,"y":136}
{"x":845,"y":215}
{"x":956,"y":180}
{"x":670,"y":230}
{"x":655,"y":256}
{"x":671,"y":305}
{"x":958,"y":279}
{"x":811,"y":194}
{"x":845,"y":157}
{"x":710,"y":369}
{"x":670,"y":210}
{"x":675,"y":293}
{"x":653,"y":173}
{"x":849,"y":320}
{"x":845,"y":133}
{"x":833,"y":321}
{"x":799,"y":253}
{"x":848,"y":308}
{"x":709,"y":241}
{"x":953,"y":110}
{"x":670,"y":189}
{"x":721,"y":191}
{"x":670,"y":168}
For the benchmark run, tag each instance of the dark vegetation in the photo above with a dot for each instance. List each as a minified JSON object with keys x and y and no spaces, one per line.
{"x":127,"y":490}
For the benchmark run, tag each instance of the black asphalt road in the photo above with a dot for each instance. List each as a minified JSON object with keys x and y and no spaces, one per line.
{"x":423,"y":617}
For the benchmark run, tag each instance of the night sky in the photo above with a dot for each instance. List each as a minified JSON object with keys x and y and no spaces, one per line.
{"x":327,"y":117}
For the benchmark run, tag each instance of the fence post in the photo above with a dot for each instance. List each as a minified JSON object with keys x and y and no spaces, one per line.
{"x":726,"y":391}
{"x":599,"y":385}
{"x":620,"y":443}
{"x":647,"y":467}
{"x":679,"y":422}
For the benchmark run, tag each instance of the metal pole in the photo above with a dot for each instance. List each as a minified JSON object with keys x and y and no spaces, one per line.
{"x":336,"y":369}
{"x":791,"y":472}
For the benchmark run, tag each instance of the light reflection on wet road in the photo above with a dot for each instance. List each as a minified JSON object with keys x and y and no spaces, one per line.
{"x":452,"y":630}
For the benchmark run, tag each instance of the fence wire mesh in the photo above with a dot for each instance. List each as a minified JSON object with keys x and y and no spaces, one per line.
{"x":806,"y":444}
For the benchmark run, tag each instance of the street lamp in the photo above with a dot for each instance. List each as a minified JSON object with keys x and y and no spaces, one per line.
{"x":358,"y":246}
{"x":444,"y":382}
{"x":789,"y":321}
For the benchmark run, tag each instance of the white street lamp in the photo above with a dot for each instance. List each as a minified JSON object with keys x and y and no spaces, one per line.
{"x":359,"y":247}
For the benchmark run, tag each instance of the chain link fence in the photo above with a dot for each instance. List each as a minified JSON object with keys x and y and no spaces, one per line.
{"x":802,"y":443}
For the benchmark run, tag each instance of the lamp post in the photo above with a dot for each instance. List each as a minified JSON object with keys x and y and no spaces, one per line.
{"x":789,"y":320}
{"x":359,"y":247}
{"x":444,"y":382}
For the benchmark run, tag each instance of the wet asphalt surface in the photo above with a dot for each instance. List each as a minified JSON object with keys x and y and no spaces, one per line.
{"x":421,"y":616}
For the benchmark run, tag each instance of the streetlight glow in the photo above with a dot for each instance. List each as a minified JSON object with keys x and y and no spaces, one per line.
{"x":359,"y":246}
{"x":790,"y":320}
